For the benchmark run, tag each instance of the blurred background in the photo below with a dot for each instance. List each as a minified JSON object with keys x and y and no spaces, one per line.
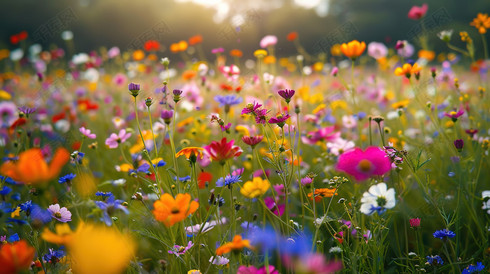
{"x":230,"y":23}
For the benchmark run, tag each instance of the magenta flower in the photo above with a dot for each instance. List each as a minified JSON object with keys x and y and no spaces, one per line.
{"x":416,"y":13}
{"x":217,"y":50}
{"x":252,"y":140}
{"x":61,"y":214}
{"x":280,"y":119}
{"x":287,"y":94}
{"x":178,"y":250}
{"x":87,"y":133}
{"x":251,"y":108}
{"x":364,"y":164}
{"x":335,"y":71}
{"x":276,"y":208}
{"x":324,"y":134}
{"x":253,"y":270}
{"x":415,"y":222}
{"x":454,"y":115}
{"x":115,"y":139}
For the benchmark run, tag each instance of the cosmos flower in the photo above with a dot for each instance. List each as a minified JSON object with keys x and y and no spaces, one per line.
{"x":109,"y":207}
{"x":178,"y":250}
{"x":237,"y":244}
{"x":417,"y":13}
{"x":377,"y":50}
{"x":223,"y":150}
{"x":481,"y":23}
{"x":252,"y":140}
{"x":87,"y":133}
{"x":61,"y":214}
{"x":170,"y":211}
{"x":377,"y":199}
{"x":364,"y":164}
{"x":115,"y":139}
{"x":267,"y":41}
{"x":190,"y":152}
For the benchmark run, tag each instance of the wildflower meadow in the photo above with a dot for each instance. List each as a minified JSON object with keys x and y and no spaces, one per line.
{"x":369,"y":157}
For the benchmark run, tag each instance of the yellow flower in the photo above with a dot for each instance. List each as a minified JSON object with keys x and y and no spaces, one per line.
{"x":400,"y":104}
{"x":15,"y":213}
{"x":194,"y":271}
{"x":5,"y":95}
{"x":408,"y":70}
{"x":100,"y":249}
{"x":243,"y":130}
{"x":61,"y":237}
{"x":335,"y":50}
{"x":260,"y":53}
{"x":481,"y":23}
{"x":321,"y":193}
{"x":255,"y":188}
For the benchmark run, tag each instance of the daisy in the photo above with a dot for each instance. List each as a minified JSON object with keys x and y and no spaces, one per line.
{"x":377,"y":199}
{"x":61,"y":214}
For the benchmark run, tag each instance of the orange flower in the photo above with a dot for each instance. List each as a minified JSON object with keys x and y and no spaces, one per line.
{"x":16,"y":257}
{"x":336,"y":50}
{"x":427,"y":54}
{"x":321,"y":193}
{"x":292,"y":36}
{"x":408,"y":70}
{"x":194,"y":40}
{"x":481,"y":23}
{"x":189,"y":74}
{"x":353,"y":49}
{"x":138,"y":55}
{"x":31,"y":168}
{"x":236,"y":53}
{"x":174,"y":48}
{"x":61,"y":237}
{"x":170,"y":211}
{"x":183,"y":45}
{"x":237,"y":244}
{"x":270,"y":59}
{"x":191,"y":152}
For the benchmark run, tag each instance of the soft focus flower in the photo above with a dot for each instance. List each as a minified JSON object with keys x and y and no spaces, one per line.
{"x":100,"y":249}
{"x":415,"y":222}
{"x":170,"y":211}
{"x":267,"y":41}
{"x":407,"y":70}
{"x":377,"y":199}
{"x":62,"y":236}
{"x":322,"y":134}
{"x":377,"y":50}
{"x":445,"y":35}
{"x":364,"y":164}
{"x":87,"y":133}
{"x":31,"y":167}
{"x":178,"y":250}
{"x":416,"y":12}
{"x":458,"y":144}
{"x":434,"y":260}
{"x":292,"y":36}
{"x":237,"y":244}
{"x":253,"y":270}
{"x":481,"y":22}
{"x":353,"y":49}
{"x":404,"y":49}
{"x":61,"y":214}
{"x":444,"y":234}
{"x":454,"y":115}
{"x":321,"y":193}
{"x":255,"y":188}
{"x":115,"y":139}
{"x":486,"y":200}
{"x":287,"y":94}
{"x":219,"y":260}
{"x":223,"y":150}
{"x":16,"y":257}
{"x":280,"y":119}
{"x":109,"y":207}
{"x":252,"y":140}
{"x":474,"y":268}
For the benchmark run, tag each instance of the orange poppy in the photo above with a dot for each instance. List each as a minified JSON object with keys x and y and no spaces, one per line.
{"x":321,"y":193}
{"x":237,"y":244}
{"x":182,"y":45}
{"x":270,"y":59}
{"x":170,"y":211}
{"x":481,"y":23}
{"x":194,"y":40}
{"x":174,"y":48}
{"x":31,"y":168}
{"x":138,"y":55}
{"x":427,"y":54}
{"x":190,"y":152}
{"x":151,"y":45}
{"x":203,"y":178}
{"x":16,"y":257}
{"x":353,"y":49}
{"x":189,"y":74}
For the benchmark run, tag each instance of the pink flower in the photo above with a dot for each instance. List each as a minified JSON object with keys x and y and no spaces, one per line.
{"x":277,"y":209}
{"x":404,"y":49}
{"x":334,"y":72}
{"x":252,"y":140}
{"x":60,"y":214}
{"x":323,"y":134}
{"x":454,"y":115}
{"x":268,"y":40}
{"x":416,"y":13}
{"x":87,"y":133}
{"x":253,"y":270}
{"x":377,"y":50}
{"x":115,"y":139}
{"x":415,"y":222}
{"x":364,"y":164}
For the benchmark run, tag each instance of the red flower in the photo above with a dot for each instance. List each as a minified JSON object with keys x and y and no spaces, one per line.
{"x":416,"y":13}
{"x":16,"y":257}
{"x":151,"y":45}
{"x":292,"y":36}
{"x":222,"y":151}
{"x":203,"y":178}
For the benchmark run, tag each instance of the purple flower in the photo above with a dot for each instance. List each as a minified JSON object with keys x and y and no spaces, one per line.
{"x":115,"y":139}
{"x":109,"y":207}
{"x":287,"y":94}
{"x":133,"y":87}
{"x":280,"y":119}
{"x":334,"y":72}
{"x":377,"y":50}
{"x":217,"y":50}
{"x":251,"y":108}
{"x":87,"y":133}
{"x":26,"y":110}
{"x":178,"y":250}
{"x":61,"y":214}
{"x":228,"y":100}
{"x":167,"y":116}
{"x":459,"y":144}
{"x":454,"y":115}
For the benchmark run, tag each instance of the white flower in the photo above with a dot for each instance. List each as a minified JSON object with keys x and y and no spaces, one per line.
{"x":335,"y":249}
{"x":486,"y":204}
{"x":377,"y":199}
{"x":218,"y":260}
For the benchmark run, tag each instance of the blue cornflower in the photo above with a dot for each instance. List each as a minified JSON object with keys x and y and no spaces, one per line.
{"x":434,"y":260}
{"x":160,"y":164}
{"x":109,"y":207}
{"x":474,"y":268}
{"x":444,"y":234}
{"x":26,"y":207}
{"x":6,"y":207}
{"x":54,"y":256}
{"x":144,"y":168}
{"x":266,"y":239}
{"x":67,"y":178}
{"x":228,"y":180}
{"x":5,"y":190}
{"x":183,"y":179}
{"x":17,"y":221}
{"x":103,"y":194}
{"x":8,"y":180}
{"x":228,"y":100}
{"x":39,"y":215}
{"x":13,"y":238}
{"x":299,"y":245}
